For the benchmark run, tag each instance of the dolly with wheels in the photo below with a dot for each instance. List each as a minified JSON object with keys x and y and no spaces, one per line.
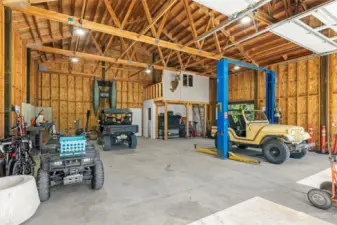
{"x":325,"y":196}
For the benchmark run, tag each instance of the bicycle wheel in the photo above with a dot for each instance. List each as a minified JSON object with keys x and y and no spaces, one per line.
{"x":18,"y":168}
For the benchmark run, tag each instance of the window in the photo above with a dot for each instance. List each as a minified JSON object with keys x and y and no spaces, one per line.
{"x":185,"y":80}
{"x":190,"y":81}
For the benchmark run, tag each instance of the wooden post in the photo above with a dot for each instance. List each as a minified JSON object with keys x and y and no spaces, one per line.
{"x":155,"y":116}
{"x":205,"y":120}
{"x":187,"y":120}
{"x":165,"y":122}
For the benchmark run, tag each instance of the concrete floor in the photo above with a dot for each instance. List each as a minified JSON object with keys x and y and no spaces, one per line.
{"x":169,"y":183}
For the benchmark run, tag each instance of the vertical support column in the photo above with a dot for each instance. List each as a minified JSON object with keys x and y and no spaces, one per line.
{"x":205,"y":120}
{"x":324,"y":93}
{"x":155,"y":116}
{"x":8,"y":69}
{"x":222,"y":106}
{"x":187,"y":120}
{"x":165,"y":122}
{"x":28,"y":75}
{"x":270,"y":95}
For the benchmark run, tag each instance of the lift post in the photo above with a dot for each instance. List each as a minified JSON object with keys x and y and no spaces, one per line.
{"x":222,"y":100}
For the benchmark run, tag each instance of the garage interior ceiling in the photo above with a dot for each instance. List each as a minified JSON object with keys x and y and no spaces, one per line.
{"x":133,"y":31}
{"x":227,"y":7}
{"x":311,"y":37}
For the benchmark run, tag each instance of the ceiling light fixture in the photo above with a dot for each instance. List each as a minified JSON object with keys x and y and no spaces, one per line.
{"x":246,"y":20}
{"x":80,"y":32}
{"x":74,"y":60}
{"x":148,"y":70}
{"x":236,"y":68}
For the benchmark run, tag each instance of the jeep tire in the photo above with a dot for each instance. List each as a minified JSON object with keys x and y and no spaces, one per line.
{"x":133,"y":141}
{"x":43,"y":185}
{"x":97,"y":180}
{"x":275,"y":151}
{"x":299,"y":155}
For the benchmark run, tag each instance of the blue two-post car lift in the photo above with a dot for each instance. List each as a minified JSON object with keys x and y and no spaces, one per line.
{"x":222,"y":102}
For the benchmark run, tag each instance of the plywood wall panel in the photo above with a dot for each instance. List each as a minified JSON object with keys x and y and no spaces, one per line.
{"x":332,"y":97}
{"x":71,"y":95}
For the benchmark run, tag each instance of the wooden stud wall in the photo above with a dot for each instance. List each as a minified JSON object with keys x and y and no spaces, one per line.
{"x":332,"y":98}
{"x":70,"y":98}
{"x":297,"y":93}
{"x":2,"y":78}
{"x":241,"y":86}
{"x":19,"y":67}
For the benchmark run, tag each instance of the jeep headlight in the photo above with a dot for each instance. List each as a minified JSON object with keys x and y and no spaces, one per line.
{"x":58,"y":163}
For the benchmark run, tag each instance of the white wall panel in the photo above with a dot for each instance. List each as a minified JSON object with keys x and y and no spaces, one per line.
{"x":198,"y":93}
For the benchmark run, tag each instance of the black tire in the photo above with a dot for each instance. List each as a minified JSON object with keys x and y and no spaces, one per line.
{"x":133,"y":141}
{"x":106,"y":143}
{"x":275,"y":151}
{"x":97,"y":180}
{"x":320,"y":198}
{"x":299,"y":155}
{"x":327,"y":186}
{"x":240,"y":146}
{"x":17,"y":168}
{"x":43,"y":185}
{"x":99,"y":141}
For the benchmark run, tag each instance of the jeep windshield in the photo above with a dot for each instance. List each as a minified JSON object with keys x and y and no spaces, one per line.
{"x":255,"y":116}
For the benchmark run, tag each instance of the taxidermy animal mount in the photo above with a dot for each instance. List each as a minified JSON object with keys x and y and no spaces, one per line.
{"x":175,"y":82}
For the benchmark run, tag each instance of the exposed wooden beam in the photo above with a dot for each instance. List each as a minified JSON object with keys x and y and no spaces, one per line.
{"x":63,"y":18}
{"x":30,"y":27}
{"x":112,"y":13}
{"x":37,"y":28}
{"x":41,"y":1}
{"x":162,"y":24}
{"x":216,"y":38}
{"x":104,"y":58}
{"x":149,"y":17}
{"x":95,"y":43}
{"x":161,"y":56}
{"x":191,"y":21}
{"x":180,"y":60}
{"x":163,"y":10}
{"x":125,"y":20}
{"x":59,"y":9}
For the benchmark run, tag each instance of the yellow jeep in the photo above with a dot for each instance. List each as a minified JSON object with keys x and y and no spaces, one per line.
{"x":278,"y":142}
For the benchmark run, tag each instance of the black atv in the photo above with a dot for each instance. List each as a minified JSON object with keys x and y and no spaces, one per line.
{"x":64,"y":163}
{"x":115,"y":127}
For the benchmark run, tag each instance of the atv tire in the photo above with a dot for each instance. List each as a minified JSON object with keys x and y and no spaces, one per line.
{"x":133,"y":141}
{"x":43,"y":185}
{"x":99,"y":141}
{"x":275,"y":151}
{"x":97,"y":180}
{"x":106,"y":143}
